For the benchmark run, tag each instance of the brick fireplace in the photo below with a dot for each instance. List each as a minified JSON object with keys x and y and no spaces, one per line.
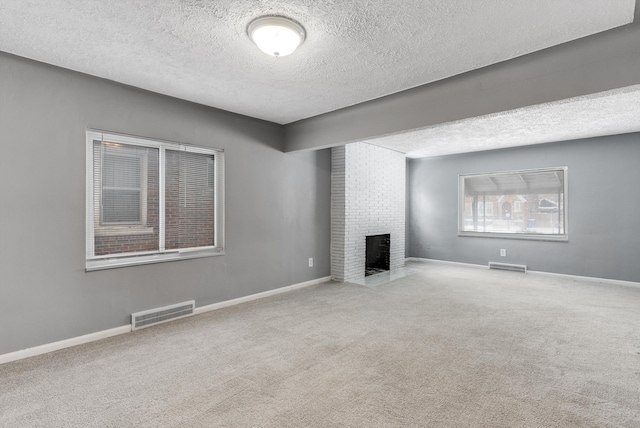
{"x":367,"y":199}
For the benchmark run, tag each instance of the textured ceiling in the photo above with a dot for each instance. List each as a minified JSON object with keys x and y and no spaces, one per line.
{"x":355,"y":51}
{"x":605,"y":113}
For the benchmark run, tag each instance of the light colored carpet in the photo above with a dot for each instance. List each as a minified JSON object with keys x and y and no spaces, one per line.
{"x":449,"y":346}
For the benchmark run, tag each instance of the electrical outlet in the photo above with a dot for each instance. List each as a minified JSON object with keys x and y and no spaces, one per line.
{"x":310,"y":261}
{"x":503,"y":252}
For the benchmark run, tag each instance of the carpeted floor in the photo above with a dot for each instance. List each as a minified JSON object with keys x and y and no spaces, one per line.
{"x":449,"y":346}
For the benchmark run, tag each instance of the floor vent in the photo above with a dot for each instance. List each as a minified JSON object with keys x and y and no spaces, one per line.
{"x":159,"y":315}
{"x":507,"y":266}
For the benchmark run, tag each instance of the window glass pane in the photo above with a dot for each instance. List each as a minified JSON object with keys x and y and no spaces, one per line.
{"x":121,"y":205}
{"x":189,"y":200}
{"x":121,"y":170}
{"x":489,"y":208}
{"x":519,"y":202}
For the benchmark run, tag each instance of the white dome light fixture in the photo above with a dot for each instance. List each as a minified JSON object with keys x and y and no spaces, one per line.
{"x":276,"y":35}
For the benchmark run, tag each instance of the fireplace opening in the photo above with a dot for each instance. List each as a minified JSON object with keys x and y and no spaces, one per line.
{"x":378,"y":254}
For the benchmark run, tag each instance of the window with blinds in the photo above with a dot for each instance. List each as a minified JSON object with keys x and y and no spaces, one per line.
{"x":151,"y":201}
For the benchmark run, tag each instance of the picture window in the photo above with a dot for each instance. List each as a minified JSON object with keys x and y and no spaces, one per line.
{"x":527,"y":204}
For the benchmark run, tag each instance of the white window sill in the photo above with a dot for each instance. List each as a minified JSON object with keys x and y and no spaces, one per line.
{"x":523,"y":236}
{"x":118,"y":262}
{"x":123,"y":230}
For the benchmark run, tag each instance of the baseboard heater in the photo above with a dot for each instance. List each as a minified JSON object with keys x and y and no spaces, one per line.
{"x":508,"y":266}
{"x":159,"y":315}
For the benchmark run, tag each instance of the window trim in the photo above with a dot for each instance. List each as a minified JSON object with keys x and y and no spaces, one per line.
{"x":93,"y":262}
{"x":522,"y":236}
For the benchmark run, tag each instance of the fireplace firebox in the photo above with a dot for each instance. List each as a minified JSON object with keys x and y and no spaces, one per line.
{"x":378,"y":254}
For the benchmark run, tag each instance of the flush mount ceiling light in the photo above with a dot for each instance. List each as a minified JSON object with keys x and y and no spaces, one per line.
{"x":276,"y":35}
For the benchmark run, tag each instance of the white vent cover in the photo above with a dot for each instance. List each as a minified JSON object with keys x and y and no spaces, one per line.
{"x":507,"y":266}
{"x":159,"y":315}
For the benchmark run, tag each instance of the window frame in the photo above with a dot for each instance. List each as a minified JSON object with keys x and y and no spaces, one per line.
{"x":93,"y":216}
{"x":564,"y":237}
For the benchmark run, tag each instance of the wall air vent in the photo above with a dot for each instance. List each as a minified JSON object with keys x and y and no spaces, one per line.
{"x":507,"y":266}
{"x":159,"y":315}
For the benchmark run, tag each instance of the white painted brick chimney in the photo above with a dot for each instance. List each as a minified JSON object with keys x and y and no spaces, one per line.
{"x":367,"y":198}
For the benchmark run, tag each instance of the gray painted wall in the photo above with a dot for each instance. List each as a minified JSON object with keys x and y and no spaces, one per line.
{"x":604,"y":208}
{"x":277,"y":206}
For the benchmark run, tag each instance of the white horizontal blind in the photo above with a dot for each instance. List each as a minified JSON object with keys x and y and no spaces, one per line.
{"x":189,"y":200}
{"x":121,"y":186}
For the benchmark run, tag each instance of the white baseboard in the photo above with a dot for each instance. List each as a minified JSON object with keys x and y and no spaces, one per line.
{"x":67,"y":343}
{"x":447,"y":262}
{"x":537,"y":272}
{"x":587,"y":278}
{"x":244,"y":299}
{"x":92,"y":337}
